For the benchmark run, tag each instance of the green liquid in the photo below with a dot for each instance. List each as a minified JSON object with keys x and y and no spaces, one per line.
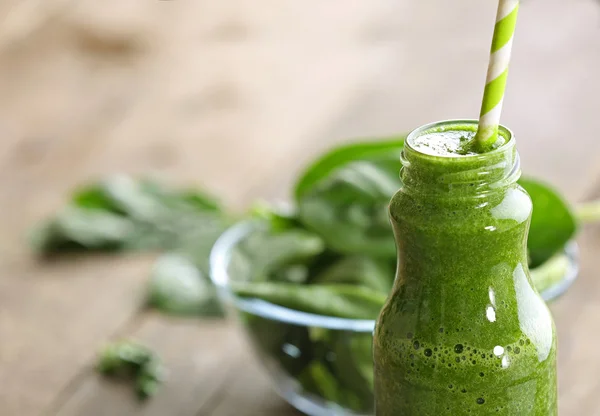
{"x":464,"y":331}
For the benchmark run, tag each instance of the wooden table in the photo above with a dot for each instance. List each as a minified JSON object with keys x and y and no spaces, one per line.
{"x":194,"y":92}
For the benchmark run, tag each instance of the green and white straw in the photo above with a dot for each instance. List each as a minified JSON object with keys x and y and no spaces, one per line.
{"x":493,"y":96}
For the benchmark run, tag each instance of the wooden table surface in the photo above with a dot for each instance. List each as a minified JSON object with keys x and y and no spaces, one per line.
{"x":238,"y":98}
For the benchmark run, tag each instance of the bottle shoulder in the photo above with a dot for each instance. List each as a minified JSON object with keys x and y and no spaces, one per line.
{"x":488,"y":317}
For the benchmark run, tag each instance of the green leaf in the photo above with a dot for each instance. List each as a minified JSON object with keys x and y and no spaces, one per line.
{"x":140,"y":200}
{"x":128,"y":360}
{"x":123,"y":358}
{"x":349,"y":210}
{"x":195,"y":235}
{"x":95,"y":197}
{"x":353,"y":366}
{"x":343,"y":301}
{"x":361,"y":271}
{"x":342,"y":155}
{"x":82,"y":229}
{"x":149,"y":379}
{"x":268,"y":251}
{"x":146,"y":386}
{"x":289,"y":344}
{"x":588,"y":212}
{"x":319,"y":380}
{"x":202,"y":201}
{"x":127,"y":214}
{"x":93,"y":228}
{"x":550,"y":273}
{"x":177,"y":287}
{"x":279,"y":218}
{"x":148,"y":201}
{"x":553,"y":223}
{"x":361,"y":346}
{"x":295,"y":273}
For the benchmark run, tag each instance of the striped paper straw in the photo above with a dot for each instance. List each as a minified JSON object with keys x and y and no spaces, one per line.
{"x":493,"y":96}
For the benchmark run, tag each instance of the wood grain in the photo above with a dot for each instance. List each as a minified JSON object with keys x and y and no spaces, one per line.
{"x":211,"y":372}
{"x":202,"y":359}
{"x":53,"y":317}
{"x":238,"y":98}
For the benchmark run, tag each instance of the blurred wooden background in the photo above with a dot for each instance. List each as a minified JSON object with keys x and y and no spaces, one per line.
{"x":238,"y":95}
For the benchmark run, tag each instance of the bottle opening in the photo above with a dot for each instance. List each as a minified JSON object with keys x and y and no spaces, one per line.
{"x":434,"y":158}
{"x":450,"y":138}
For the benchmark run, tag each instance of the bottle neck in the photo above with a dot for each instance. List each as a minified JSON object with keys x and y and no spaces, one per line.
{"x":458,"y":175}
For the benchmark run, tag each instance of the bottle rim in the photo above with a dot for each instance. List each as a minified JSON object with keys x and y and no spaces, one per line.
{"x":498,"y":167}
{"x":419,"y":131}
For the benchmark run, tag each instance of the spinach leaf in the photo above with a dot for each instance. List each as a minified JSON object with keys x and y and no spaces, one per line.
{"x":342,"y":301}
{"x":141,"y":200}
{"x":194,"y":234}
{"x":126,"y":214}
{"x":353,"y":366}
{"x":588,"y":212}
{"x":95,"y":197}
{"x":128,"y":360}
{"x":178,"y":287}
{"x":200,"y":200}
{"x":77,"y":229}
{"x":317,"y":379}
{"x":342,"y":155}
{"x":289,"y":345}
{"x":121,"y":213}
{"x":273,"y":252}
{"x":361,"y":271}
{"x":278,"y":218}
{"x":361,"y":347}
{"x":149,"y":379}
{"x":553,"y":223}
{"x":550,"y":273}
{"x":348,"y":210}
{"x":332,"y":374}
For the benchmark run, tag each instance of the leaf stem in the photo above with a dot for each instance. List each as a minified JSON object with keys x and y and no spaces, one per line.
{"x":588,"y":212}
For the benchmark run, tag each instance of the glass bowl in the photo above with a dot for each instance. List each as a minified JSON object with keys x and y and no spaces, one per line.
{"x":321,"y":365}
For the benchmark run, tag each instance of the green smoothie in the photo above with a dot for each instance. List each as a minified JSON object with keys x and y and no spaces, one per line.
{"x":464,"y":330}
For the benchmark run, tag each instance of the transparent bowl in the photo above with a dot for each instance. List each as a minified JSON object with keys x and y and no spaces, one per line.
{"x":320,"y":364}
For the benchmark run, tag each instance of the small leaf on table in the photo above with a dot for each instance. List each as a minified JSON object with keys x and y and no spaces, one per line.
{"x":77,"y":228}
{"x":128,"y":360}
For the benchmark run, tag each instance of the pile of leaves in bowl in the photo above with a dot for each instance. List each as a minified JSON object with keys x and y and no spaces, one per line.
{"x":331,"y":253}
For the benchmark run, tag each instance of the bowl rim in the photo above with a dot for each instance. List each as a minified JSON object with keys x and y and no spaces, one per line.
{"x":221,"y":254}
{"x":219,"y":259}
